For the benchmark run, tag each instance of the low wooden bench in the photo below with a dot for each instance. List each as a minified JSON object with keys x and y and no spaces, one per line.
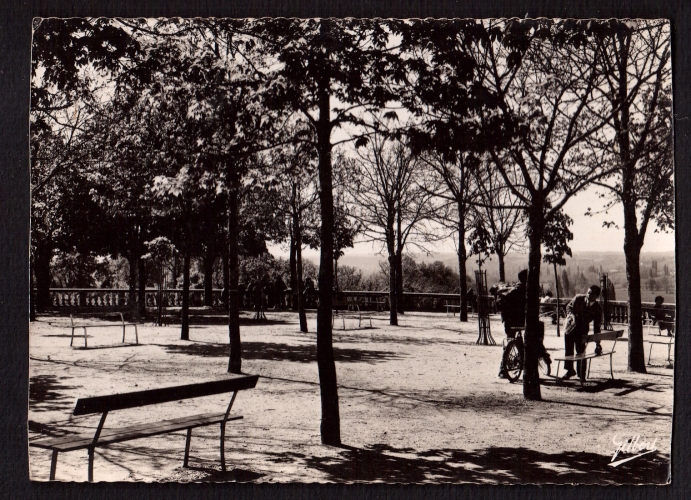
{"x":609,"y":335}
{"x":669,"y":342}
{"x":103,"y":325}
{"x":344,"y":309}
{"x":137,"y":399}
{"x":379,"y":305}
{"x":452,"y":307}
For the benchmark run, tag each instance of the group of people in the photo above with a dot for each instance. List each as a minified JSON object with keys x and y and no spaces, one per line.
{"x":582,"y":310}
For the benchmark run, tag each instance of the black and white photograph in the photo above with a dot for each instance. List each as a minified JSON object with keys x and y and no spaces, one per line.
{"x":347,"y":250}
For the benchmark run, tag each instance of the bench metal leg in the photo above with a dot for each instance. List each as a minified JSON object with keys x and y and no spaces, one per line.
{"x":85,"y":344}
{"x":669,"y":351}
{"x":91,"y":465}
{"x":136,"y":335}
{"x":611,"y":372}
{"x":650,"y":352}
{"x":123,"y":334}
{"x":590,"y":362}
{"x":558,"y":365}
{"x":53,"y":464}
{"x":223,"y":442}
{"x":187,"y":447}
{"x":72,"y":337}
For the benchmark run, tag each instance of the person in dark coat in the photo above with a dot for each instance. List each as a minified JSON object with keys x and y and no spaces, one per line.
{"x":308,"y":292}
{"x":279,"y":292}
{"x":661,"y":317}
{"x":511,"y":305}
{"x":472,"y":300}
{"x":580,"y":312}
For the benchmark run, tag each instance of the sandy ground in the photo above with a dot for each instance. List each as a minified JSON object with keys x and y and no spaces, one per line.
{"x":419,"y":403}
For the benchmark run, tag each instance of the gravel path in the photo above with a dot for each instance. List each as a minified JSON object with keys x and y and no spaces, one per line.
{"x":418,"y":403}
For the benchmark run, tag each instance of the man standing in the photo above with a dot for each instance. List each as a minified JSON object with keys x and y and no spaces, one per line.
{"x":579,"y":313}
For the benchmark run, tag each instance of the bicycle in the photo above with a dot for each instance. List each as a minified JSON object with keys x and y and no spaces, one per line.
{"x":512,"y":359}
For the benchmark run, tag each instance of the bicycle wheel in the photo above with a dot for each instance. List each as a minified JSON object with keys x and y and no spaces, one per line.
{"x":513,"y":360}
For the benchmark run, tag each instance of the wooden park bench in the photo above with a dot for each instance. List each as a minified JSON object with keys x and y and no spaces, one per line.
{"x":378,"y":305}
{"x":451,"y":306}
{"x":114,"y":402}
{"x":608,"y":335}
{"x":344,"y":309}
{"x":103,"y":325}
{"x":666,"y":339}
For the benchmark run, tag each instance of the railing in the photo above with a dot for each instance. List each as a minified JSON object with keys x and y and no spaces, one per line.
{"x":117,"y":298}
{"x":120,"y":298}
{"x":618,"y":310}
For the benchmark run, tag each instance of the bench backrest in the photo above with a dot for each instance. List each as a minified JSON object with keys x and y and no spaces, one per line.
{"x":100,"y":404}
{"x":122,"y":319}
{"x":605,"y":335}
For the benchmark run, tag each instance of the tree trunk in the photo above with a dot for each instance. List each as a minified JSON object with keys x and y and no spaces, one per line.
{"x":399,"y":281}
{"x":533,"y":342}
{"x":159,"y":309}
{"x":393,"y":306}
{"x":632,"y":240}
{"x":556,"y":285}
{"x":502,"y":271}
{"x":330,"y":424}
{"x":235,"y":356}
{"x":208,"y":263}
{"x":462,"y":257}
{"x":185,"y":313}
{"x":42,"y":258}
{"x":226,"y":271}
{"x":300,"y":299}
{"x":134,"y":270}
{"x":293,"y":272}
{"x":142,"y":287}
{"x":632,"y":249}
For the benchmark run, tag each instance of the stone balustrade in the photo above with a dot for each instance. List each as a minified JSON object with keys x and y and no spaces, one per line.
{"x":113,"y":298}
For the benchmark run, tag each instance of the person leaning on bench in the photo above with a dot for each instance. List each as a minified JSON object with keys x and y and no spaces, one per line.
{"x":579,"y":313}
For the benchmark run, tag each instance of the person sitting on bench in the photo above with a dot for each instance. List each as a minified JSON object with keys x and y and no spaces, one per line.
{"x":579,"y":313}
{"x":661,"y":317}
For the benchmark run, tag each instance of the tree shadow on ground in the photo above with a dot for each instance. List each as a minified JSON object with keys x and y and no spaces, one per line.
{"x":222,"y":320}
{"x":107,"y":346}
{"x":234,"y":475}
{"x":494,"y":465}
{"x":623,"y":386}
{"x":416,"y":341}
{"x":46,"y":393}
{"x":283,"y":352}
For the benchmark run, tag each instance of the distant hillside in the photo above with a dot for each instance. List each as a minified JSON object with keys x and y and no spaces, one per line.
{"x":586,"y":263}
{"x":610,"y":262}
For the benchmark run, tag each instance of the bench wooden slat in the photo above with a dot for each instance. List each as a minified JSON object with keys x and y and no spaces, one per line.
{"x":109,"y":436}
{"x":99,"y":404}
{"x":580,"y":357}
{"x":605,"y":335}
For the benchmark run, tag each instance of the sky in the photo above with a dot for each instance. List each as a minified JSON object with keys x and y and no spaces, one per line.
{"x":588,"y":233}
